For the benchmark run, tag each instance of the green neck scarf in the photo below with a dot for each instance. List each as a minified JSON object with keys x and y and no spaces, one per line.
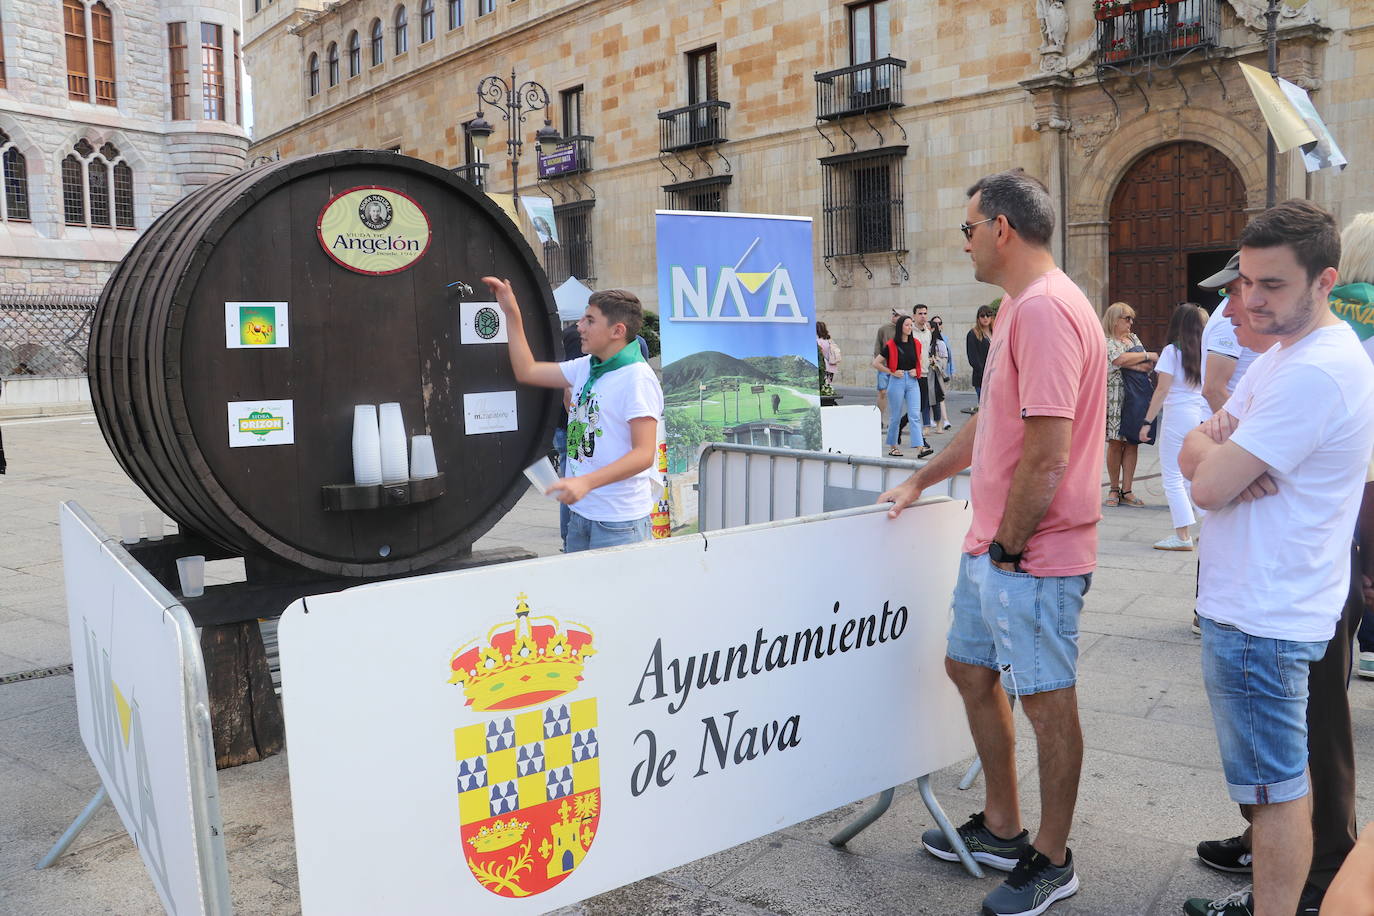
{"x":628,"y":354}
{"x":1354,"y":304}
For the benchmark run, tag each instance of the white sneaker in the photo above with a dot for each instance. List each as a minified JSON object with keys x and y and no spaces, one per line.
{"x":1174,"y":542}
{"x":948,"y":426}
{"x":1366,"y":665}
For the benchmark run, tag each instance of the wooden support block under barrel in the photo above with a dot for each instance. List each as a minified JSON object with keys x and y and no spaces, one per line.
{"x":245,"y":714}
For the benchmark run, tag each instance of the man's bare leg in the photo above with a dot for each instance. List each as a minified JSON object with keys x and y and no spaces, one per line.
{"x":994,"y":735}
{"x":1282,"y":846}
{"x":1059,"y":749}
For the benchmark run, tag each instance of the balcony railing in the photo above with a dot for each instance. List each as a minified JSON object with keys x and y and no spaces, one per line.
{"x":871,"y":86}
{"x":475,"y":173}
{"x":1146,"y":31}
{"x":571,"y":156}
{"x":696,"y":125}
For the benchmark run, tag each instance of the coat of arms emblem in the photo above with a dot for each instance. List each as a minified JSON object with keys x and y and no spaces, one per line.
{"x":529,"y":796}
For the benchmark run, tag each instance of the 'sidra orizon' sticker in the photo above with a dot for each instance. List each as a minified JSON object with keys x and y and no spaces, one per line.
{"x":373,"y":230}
{"x":261,"y":423}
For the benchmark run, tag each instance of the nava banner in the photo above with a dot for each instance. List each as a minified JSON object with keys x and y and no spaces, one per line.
{"x":738,"y":330}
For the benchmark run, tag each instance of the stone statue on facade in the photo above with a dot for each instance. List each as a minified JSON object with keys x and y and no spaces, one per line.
{"x":1054,"y":27}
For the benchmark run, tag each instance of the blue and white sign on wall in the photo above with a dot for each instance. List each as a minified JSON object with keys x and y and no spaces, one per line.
{"x":738,"y":317}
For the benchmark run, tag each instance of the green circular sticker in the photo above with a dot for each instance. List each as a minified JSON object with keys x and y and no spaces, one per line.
{"x":487,"y":323}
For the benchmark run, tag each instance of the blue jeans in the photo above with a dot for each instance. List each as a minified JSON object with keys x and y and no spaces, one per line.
{"x":1366,"y":632}
{"x":585,"y":534}
{"x":1022,"y":625}
{"x":1257,"y":688}
{"x":903,"y":392}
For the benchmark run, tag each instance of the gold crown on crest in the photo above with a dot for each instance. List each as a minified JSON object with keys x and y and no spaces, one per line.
{"x":526,"y":661}
{"x":498,"y":835}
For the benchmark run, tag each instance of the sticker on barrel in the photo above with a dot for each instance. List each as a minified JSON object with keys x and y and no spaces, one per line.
{"x":253,"y":423}
{"x":528,"y":756}
{"x":374,"y":230}
{"x":256,"y":325}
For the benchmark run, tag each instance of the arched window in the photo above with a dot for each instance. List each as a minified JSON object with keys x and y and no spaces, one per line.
{"x":426,"y":21}
{"x":355,"y":54}
{"x":14,"y":203}
{"x":333,"y":63}
{"x":97,"y":187}
{"x":312,"y":87}
{"x":378,"y":50}
{"x":455,"y":13}
{"x":402,"y":31}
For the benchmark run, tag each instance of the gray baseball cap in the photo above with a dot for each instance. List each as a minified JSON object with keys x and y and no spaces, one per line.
{"x":1224,"y":277}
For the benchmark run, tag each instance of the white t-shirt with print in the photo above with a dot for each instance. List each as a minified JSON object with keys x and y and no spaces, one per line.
{"x":1219,"y":336}
{"x":1279,"y":566}
{"x":1182,"y":395}
{"x":599,"y":433}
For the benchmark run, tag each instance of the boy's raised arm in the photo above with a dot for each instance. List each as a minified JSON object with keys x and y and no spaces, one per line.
{"x":528,"y":371}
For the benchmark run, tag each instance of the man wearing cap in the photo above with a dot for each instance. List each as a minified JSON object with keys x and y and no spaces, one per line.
{"x":1225,"y":358}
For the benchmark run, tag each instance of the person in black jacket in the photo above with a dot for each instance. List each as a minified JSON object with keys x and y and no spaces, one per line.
{"x":976,"y":346}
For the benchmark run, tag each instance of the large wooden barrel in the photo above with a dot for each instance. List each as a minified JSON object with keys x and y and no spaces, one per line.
{"x":232,"y":343}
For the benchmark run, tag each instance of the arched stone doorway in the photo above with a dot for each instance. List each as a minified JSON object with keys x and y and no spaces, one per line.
{"x":1175,"y":218}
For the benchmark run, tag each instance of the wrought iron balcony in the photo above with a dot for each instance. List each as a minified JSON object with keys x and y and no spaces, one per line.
{"x":474,"y":173}
{"x":571,"y":156}
{"x":872,"y":86}
{"x":1140,"y":32}
{"x":691,"y":126}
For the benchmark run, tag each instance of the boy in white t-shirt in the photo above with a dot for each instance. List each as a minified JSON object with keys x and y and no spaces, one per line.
{"x":1275,"y":559}
{"x":615,"y":407}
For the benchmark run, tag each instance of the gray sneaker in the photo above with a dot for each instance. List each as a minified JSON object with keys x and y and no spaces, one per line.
{"x":982,"y":843}
{"x":1033,"y":886}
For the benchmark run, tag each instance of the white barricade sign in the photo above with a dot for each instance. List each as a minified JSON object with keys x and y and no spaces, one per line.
{"x":140,"y":703}
{"x":520,"y":737}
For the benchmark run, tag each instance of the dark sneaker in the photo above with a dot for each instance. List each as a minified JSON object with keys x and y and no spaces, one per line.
{"x":1226,"y":855}
{"x":982,"y":843}
{"x":1310,"y":903}
{"x":1033,"y":886}
{"x":1241,"y":903}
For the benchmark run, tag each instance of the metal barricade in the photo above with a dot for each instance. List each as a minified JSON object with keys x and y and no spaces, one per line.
{"x":748,"y":484}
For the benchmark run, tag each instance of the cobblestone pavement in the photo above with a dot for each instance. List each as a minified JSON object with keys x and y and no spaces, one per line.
{"x":1151,"y":786}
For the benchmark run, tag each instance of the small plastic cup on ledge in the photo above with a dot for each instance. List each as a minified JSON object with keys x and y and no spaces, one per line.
{"x":191,"y":573}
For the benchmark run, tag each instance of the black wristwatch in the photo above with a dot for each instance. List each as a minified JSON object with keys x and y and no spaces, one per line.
{"x":998,"y":554}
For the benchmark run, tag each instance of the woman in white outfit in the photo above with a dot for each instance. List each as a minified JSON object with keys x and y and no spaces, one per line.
{"x":1179,"y":393}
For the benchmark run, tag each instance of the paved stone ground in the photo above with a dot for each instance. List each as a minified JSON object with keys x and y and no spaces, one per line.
{"x":1151,"y":784}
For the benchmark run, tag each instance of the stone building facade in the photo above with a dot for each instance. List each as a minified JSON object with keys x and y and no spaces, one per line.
{"x":872,"y":118}
{"x":95,"y":146}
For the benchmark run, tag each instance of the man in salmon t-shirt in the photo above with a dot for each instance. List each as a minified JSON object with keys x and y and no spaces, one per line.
{"x":1035,"y":447}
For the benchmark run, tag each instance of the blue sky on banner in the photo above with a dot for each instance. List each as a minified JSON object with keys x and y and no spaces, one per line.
{"x":738,"y":284}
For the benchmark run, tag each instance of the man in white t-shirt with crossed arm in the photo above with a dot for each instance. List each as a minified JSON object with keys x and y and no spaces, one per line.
{"x":615,"y":409}
{"x":1275,"y":564}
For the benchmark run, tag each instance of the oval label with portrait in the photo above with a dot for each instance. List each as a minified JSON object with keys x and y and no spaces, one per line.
{"x":373,"y":230}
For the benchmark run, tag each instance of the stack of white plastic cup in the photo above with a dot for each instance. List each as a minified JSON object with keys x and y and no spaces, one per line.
{"x":395,"y":464}
{"x":367,"y":446}
{"x":422,"y":461}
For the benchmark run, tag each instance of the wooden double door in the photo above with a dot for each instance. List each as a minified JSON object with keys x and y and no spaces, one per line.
{"x":1175,"y":218}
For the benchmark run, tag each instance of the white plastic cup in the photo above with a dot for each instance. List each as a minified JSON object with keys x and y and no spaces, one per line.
{"x":422,"y":461}
{"x":367,"y":446}
{"x":542,"y":475}
{"x":191,"y":573}
{"x":152,"y":523}
{"x":130,"y":527}
{"x":395,"y":467}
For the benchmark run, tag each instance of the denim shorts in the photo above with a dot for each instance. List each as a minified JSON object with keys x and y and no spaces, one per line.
{"x":586,"y":534}
{"x":1021,"y":625}
{"x":1257,"y":688}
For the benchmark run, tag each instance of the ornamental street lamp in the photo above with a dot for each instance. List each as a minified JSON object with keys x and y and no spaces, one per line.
{"x":519,"y":100}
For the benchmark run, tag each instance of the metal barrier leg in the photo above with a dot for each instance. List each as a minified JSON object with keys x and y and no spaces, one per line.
{"x":933,"y":806}
{"x":863,"y":821}
{"x":82,"y":819}
{"x":973,"y":770}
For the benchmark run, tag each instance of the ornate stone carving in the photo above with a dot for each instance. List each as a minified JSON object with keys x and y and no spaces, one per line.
{"x":1251,"y":12}
{"x":1090,"y":132}
{"x":1054,"y":28}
